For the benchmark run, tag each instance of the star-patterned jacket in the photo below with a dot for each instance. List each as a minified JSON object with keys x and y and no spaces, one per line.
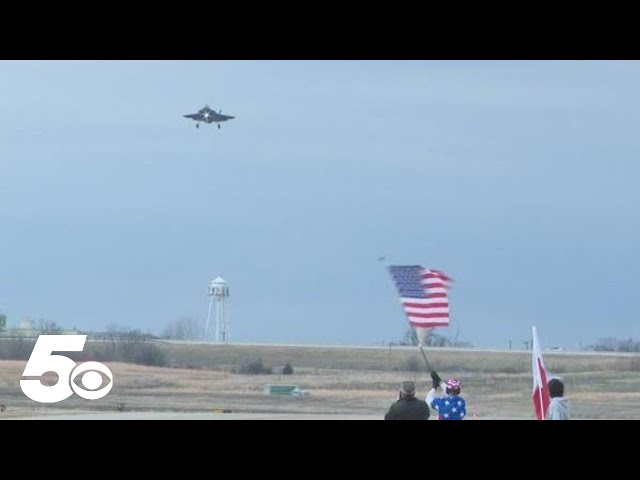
{"x":449,"y":407}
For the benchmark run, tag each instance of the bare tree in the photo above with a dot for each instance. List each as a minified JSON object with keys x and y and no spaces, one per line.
{"x":185,"y":328}
{"x":433,"y":340}
{"x":116,"y":332}
{"x":48,"y":327}
{"x":609,"y":344}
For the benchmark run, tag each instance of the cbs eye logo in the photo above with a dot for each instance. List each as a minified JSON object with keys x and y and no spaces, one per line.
{"x":42,"y":361}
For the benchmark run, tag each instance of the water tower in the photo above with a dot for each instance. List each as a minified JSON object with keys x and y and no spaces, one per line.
{"x":219,"y":293}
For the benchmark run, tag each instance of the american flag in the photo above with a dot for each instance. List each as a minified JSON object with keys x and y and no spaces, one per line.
{"x":423,"y":294}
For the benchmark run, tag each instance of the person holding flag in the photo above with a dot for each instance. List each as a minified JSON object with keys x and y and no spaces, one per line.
{"x":549,"y":402}
{"x":424,"y":298}
{"x":449,"y":407}
{"x":559,"y":407}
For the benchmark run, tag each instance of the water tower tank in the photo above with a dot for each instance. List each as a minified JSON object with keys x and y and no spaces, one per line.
{"x":219,"y":288}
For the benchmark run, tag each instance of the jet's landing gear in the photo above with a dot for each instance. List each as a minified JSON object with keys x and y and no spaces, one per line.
{"x":197,"y":125}
{"x":218,"y":126}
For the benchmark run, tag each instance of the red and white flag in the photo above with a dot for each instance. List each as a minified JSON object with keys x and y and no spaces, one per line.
{"x":541,"y":397}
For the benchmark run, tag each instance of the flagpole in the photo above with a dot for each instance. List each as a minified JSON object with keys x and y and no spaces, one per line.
{"x":425,"y":357}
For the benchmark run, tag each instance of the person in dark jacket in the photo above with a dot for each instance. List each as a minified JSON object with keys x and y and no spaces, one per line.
{"x":408,"y":407}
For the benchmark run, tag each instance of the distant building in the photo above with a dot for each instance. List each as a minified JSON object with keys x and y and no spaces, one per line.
{"x":28,"y":328}
{"x":26,"y":324}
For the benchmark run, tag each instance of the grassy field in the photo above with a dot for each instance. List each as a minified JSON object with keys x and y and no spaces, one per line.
{"x":341,"y":380}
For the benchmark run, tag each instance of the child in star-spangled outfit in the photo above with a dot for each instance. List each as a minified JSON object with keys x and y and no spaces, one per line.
{"x":449,"y":407}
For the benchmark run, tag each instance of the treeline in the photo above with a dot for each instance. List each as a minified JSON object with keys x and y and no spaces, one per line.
{"x":610,"y":344}
{"x":185,"y":328}
{"x":116,"y":344}
{"x":433,"y":340}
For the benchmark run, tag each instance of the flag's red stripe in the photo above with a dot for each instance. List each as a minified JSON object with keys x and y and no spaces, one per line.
{"x":436,"y":295}
{"x":536,"y":404}
{"x":430,"y":324}
{"x":545,"y":388}
{"x":541,"y":397}
{"x":441,"y":274}
{"x":426,"y":305}
{"x":426,"y":277}
{"x":428,"y":315}
{"x":432,"y":274}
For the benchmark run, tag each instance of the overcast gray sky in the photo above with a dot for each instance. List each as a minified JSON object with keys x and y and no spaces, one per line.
{"x":519,"y":179}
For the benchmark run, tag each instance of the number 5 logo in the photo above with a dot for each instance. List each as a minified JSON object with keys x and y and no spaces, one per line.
{"x":42,"y":361}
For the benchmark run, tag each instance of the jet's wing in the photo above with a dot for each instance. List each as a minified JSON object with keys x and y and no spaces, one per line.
{"x":194,"y":116}
{"x":221,"y":118}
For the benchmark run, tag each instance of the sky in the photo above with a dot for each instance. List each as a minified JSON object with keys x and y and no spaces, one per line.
{"x":519,"y":179}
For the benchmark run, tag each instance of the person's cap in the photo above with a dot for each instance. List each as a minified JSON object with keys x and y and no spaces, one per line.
{"x":453,"y":384}
{"x":408,"y":388}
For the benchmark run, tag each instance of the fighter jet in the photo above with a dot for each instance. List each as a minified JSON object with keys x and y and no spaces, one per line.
{"x":207,"y":115}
